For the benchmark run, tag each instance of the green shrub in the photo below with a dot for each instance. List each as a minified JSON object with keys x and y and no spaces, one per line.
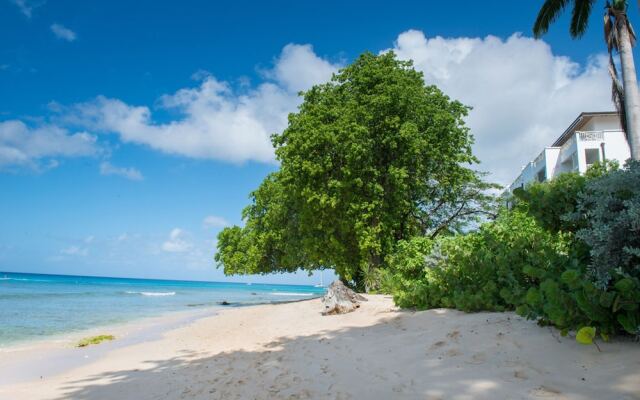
{"x":514,"y":263}
{"x":549,"y":202}
{"x":609,"y":210}
{"x":490,"y":269}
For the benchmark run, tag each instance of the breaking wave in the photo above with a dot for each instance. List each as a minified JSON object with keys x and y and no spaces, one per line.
{"x":153,"y":293}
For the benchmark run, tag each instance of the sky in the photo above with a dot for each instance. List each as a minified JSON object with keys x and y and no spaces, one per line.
{"x":131,"y":133}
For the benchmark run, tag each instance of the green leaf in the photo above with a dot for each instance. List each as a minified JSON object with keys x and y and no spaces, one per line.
{"x":586,"y":335}
{"x":570,"y":277}
{"x":624,"y":285}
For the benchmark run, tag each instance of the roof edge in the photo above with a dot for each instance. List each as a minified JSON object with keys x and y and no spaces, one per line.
{"x":569,"y":131}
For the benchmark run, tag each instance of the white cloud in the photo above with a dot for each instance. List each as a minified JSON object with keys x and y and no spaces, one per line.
{"x":75,"y":251}
{"x":106,"y":168}
{"x":523,"y":96}
{"x":26,"y":7}
{"x":62,"y":32}
{"x":89,"y":239}
{"x":213,"y":221}
{"x":298,"y":68}
{"x":22,"y":146}
{"x":217,"y":122}
{"x":178,"y":242}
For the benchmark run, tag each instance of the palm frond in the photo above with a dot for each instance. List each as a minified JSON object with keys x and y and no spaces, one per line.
{"x":610,"y":32}
{"x":632,"y":33}
{"x":550,"y":11}
{"x":580,"y":17}
{"x":617,"y":95}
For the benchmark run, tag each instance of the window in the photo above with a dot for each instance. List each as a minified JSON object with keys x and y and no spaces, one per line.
{"x":542,"y":175}
{"x":591,"y":156}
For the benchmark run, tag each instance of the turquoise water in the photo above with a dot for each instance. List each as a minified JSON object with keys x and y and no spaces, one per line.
{"x":34,"y":306}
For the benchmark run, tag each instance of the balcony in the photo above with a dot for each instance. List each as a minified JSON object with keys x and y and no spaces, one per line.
{"x":591,"y":136}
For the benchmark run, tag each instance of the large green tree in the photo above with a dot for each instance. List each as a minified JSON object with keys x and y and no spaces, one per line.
{"x":620,"y":38}
{"x":372,"y":157}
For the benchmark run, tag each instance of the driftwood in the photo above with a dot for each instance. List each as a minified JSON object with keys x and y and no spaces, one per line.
{"x":339,"y":299}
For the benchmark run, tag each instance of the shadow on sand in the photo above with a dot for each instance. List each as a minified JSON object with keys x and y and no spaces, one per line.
{"x":438,"y":354}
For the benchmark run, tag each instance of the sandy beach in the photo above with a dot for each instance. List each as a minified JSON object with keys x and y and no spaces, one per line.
{"x":290,"y":351}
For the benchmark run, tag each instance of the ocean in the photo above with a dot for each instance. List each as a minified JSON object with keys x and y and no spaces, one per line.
{"x":36,"y":306}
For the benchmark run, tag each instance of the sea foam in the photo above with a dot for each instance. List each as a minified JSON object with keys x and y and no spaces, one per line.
{"x":291,"y":294}
{"x":153,"y":293}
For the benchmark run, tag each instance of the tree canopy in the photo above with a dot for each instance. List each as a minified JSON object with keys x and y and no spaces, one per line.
{"x":370,"y":158}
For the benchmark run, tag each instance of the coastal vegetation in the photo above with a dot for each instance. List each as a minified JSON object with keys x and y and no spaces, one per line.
{"x":376,"y":181}
{"x":371,"y":158}
{"x":95,"y":340}
{"x":566,"y":253}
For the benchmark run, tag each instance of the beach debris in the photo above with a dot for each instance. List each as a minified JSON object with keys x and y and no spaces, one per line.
{"x":339,"y":299}
{"x":94,"y":340}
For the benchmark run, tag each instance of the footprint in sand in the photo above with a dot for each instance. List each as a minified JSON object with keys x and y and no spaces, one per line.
{"x":453,"y":335}
{"x":519,"y":374}
{"x":478,"y":358}
{"x":453,"y":353}
{"x":546,"y":392}
{"x":398,"y":388}
{"x":437,"y":345}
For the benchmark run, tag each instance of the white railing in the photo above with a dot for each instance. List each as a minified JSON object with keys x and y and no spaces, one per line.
{"x":591,"y":136}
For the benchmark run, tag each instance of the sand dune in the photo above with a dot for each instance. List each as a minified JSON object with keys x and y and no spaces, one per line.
{"x":290,"y":351}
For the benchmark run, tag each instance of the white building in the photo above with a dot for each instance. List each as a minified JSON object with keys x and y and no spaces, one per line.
{"x":592,"y":137}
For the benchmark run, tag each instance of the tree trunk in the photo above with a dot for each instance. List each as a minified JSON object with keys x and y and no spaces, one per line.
{"x":631,"y":95}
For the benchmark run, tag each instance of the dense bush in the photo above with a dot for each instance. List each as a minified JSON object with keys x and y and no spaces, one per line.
{"x":549,"y":202}
{"x":568,"y":254}
{"x":609,"y":210}
{"x":490,"y":269}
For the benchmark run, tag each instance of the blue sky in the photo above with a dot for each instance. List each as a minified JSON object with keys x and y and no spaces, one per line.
{"x":132,"y":132}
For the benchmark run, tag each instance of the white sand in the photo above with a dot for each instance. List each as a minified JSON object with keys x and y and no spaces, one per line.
{"x":290,"y":351}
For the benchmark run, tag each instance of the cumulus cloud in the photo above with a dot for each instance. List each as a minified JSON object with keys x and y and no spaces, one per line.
{"x":523,"y":96}
{"x":216,"y":121}
{"x":213,"y":221}
{"x":62,"y":32}
{"x":106,"y":168}
{"x":298,"y":68}
{"x":178,"y":242}
{"x":75,"y":251}
{"x":23,"y":146}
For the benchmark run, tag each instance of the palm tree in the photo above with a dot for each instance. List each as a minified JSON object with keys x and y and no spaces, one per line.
{"x":620,"y":38}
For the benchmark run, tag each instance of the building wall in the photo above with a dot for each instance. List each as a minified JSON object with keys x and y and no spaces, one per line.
{"x":616,"y":146}
{"x":551,"y":155}
{"x":602,"y":123}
